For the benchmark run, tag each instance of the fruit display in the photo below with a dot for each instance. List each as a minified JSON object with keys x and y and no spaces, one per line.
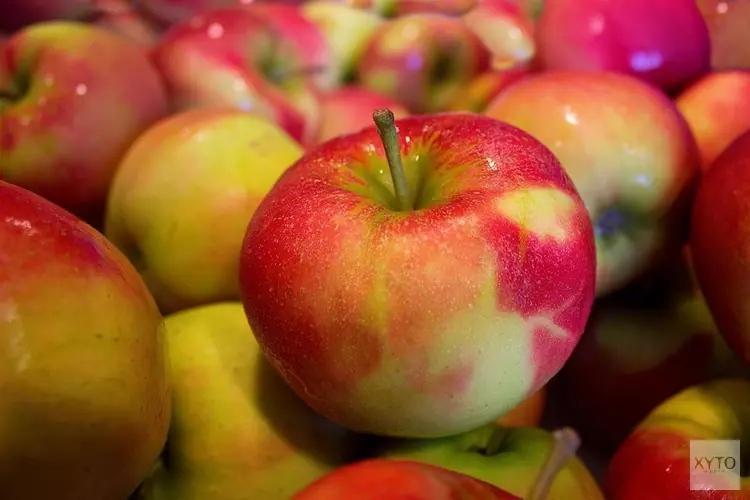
{"x":374,"y":249}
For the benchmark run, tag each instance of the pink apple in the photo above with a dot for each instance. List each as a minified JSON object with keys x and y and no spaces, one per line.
{"x":664,"y":42}
{"x":717,"y":108}
{"x":350,"y":109}
{"x":730,"y":39}
{"x":628,"y":150}
{"x":74,"y":97}
{"x":235,"y":58}
{"x":505,"y":29}
{"x":169,"y":12}
{"x":485,"y":87}
{"x":423,"y":60}
{"x":17,"y":14}
{"x":430,"y":306}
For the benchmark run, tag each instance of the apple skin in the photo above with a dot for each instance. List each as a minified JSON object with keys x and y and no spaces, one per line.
{"x":120,"y":16}
{"x":717,"y":108}
{"x":186,"y":242}
{"x":727,"y":26}
{"x":719,"y":242}
{"x":397,"y":8}
{"x":644,"y":348}
{"x":235,"y":58}
{"x":347,"y":31}
{"x":629,"y":151}
{"x":528,"y":413}
{"x":237,"y":431}
{"x":654,"y":462}
{"x":349,"y":109}
{"x":441,"y":352}
{"x":83,"y":77}
{"x":423,"y":60}
{"x":376,"y":479}
{"x":17,"y":14}
{"x":485,"y":87}
{"x":505,"y":29}
{"x":664,"y":42}
{"x":85,"y":406}
{"x":510,"y":458}
{"x":170,"y":12}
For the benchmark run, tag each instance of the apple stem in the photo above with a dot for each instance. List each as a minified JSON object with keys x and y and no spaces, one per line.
{"x":386,"y":125}
{"x":565,"y":446}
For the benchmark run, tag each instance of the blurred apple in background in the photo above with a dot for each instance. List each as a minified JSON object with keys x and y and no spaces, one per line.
{"x":233,"y":57}
{"x":350,"y":300}
{"x":311,"y":45}
{"x":184,"y":194}
{"x":644,"y":345}
{"x":484,"y":88}
{"x":350,"y":109}
{"x":395,"y":8}
{"x":664,"y":42}
{"x":169,"y":12}
{"x":510,"y":458}
{"x":121,"y":16}
{"x":528,"y":413}
{"x":730,"y":37}
{"x":629,"y":152}
{"x":347,"y":30}
{"x":720,"y":243}
{"x":717,"y":108}
{"x":655,"y":462}
{"x":85,"y":401}
{"x":505,"y":29}
{"x":74,"y":97}
{"x":17,"y":14}
{"x":238,"y":432}
{"x":424,"y":61}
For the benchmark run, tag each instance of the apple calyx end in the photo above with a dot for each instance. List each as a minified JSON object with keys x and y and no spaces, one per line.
{"x":566,"y":444}
{"x":385,"y":122}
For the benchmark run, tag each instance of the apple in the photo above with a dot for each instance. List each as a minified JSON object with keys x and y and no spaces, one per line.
{"x":72,"y":99}
{"x":727,"y":26}
{"x":505,"y":29}
{"x":85,"y":396}
{"x":655,"y":463}
{"x":395,"y":8}
{"x":237,"y":431}
{"x":370,"y":324}
{"x":485,"y":87}
{"x":716,"y":108}
{"x":510,"y":458}
{"x":347,"y":31}
{"x":184,"y":194}
{"x":719,"y":242}
{"x":235,"y":58}
{"x":308,"y":39}
{"x":350,"y":109}
{"x":644,"y":347}
{"x":169,"y":12}
{"x":627,"y":148}
{"x":18,"y":14}
{"x":120,"y":16}
{"x":409,"y":479}
{"x":423,"y":60}
{"x":664,"y":42}
{"x":528,"y":413}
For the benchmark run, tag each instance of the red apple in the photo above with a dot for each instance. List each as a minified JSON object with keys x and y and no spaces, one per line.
{"x":505,"y":29}
{"x":350,"y":281}
{"x":424,"y":61}
{"x":664,"y":42}
{"x":717,"y":108}
{"x":628,"y":150}
{"x":74,"y":97}
{"x":169,"y":12}
{"x":120,"y":16}
{"x":727,"y":25}
{"x":376,"y":479}
{"x":394,"y":8}
{"x":17,"y":14}
{"x":312,"y":47}
{"x":350,"y":109}
{"x":720,"y":242}
{"x":485,"y":87}
{"x":235,"y":58}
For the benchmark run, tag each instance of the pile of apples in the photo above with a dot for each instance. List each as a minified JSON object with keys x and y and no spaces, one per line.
{"x":372,"y":249}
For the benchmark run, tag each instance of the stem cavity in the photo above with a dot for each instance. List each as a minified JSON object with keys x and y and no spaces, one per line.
{"x":386,"y":125}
